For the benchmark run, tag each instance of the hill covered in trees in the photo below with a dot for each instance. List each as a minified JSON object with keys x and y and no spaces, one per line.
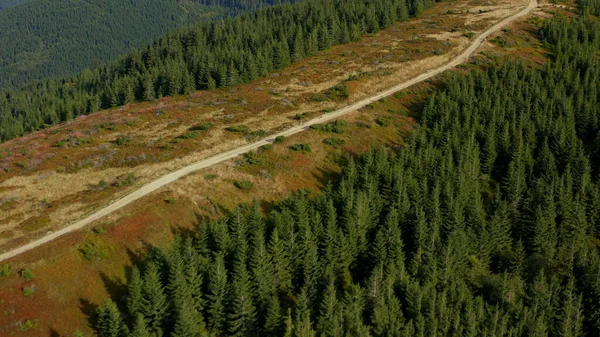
{"x":4,"y":4}
{"x":206,"y":55}
{"x":486,"y":224}
{"x":589,"y":6}
{"x":47,"y":39}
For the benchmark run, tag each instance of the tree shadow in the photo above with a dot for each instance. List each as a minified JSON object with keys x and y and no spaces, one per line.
{"x":136,"y":256}
{"x":224,"y":211}
{"x":186,"y":232}
{"x":326,"y":176}
{"x":116,"y":289}
{"x":267,"y":206}
{"x":415,"y":109}
{"x":89,"y":310}
{"x":53,"y":333}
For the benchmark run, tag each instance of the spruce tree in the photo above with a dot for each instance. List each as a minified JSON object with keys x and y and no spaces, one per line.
{"x":110,"y":323}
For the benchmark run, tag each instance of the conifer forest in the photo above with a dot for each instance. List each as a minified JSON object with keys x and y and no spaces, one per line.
{"x":209,"y":54}
{"x":486,"y":224}
{"x":46,"y":39}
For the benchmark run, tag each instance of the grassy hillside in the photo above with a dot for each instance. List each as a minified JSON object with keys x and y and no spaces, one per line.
{"x":44,"y":38}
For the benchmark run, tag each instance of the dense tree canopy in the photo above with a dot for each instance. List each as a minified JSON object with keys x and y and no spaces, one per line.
{"x":207,"y":55}
{"x":589,"y":6}
{"x":48,"y":39}
{"x":4,"y":4}
{"x":486,"y":224}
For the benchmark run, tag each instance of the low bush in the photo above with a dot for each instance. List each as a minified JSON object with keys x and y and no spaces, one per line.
{"x":252,"y":158}
{"x":400,"y":94}
{"x":319,"y":98}
{"x":265,"y":148}
{"x":384,"y":121}
{"x":339,"y":91}
{"x":102,"y":184}
{"x":190,"y":135}
{"x":28,"y":291}
{"x":6,"y":270}
{"x":123,"y":140}
{"x":238,"y":129}
{"x":243,"y":184}
{"x":298,"y":117}
{"x":27,"y":274}
{"x":300,"y":147}
{"x":279,"y":139}
{"x":353,"y":77}
{"x":99,"y":230}
{"x":335,"y":142}
{"x":203,"y":127}
{"x":124,"y":181}
{"x":256,"y":134}
{"x":335,"y":127}
{"x":28,"y":324}
{"x":93,"y":251}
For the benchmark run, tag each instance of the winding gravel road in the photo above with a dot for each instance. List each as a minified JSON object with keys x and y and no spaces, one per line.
{"x":170,"y":177}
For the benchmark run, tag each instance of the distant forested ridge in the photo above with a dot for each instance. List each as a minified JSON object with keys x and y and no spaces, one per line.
{"x":486,"y":224}
{"x":54,"y":38}
{"x":4,"y":4}
{"x":207,"y":55}
{"x":589,"y":6}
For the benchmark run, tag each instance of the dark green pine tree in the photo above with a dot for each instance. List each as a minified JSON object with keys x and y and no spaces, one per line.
{"x":387,"y":318}
{"x":110,"y":323}
{"x":273,"y":318}
{"x":217,"y":295}
{"x":154,"y":306}
{"x":148,"y":88}
{"x":298,"y":46}
{"x":281,"y":263}
{"x":354,"y":305}
{"x":135,"y":298}
{"x":188,"y":321}
{"x":140,"y":327}
{"x":263,"y":271}
{"x":330,"y":315}
{"x":302,"y":322}
{"x":242,"y":318}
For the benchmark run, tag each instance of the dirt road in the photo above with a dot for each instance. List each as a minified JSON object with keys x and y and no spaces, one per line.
{"x":168,"y":178}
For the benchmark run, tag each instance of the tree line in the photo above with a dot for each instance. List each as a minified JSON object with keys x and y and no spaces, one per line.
{"x":47,"y":39}
{"x":207,"y":55}
{"x":486,"y":224}
{"x":51,"y":39}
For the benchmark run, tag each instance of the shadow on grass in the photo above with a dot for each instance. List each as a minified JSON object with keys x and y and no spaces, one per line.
{"x":326,"y":177}
{"x":89,"y":308}
{"x":115,"y":288}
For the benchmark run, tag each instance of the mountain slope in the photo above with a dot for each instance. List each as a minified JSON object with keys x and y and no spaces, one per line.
{"x":4,"y":4}
{"x":44,"y":38}
{"x":484,"y":224}
{"x":207,"y":55}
